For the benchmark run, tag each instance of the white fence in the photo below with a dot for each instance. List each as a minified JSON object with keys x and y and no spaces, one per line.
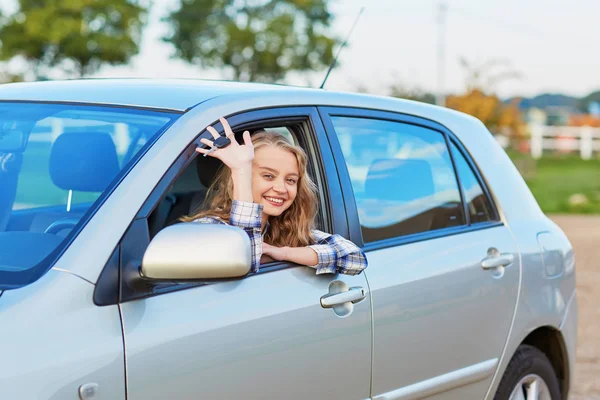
{"x":585,"y":140}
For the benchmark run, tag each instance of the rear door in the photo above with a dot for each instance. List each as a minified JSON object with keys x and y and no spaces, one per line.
{"x":443,"y":269}
{"x":262,"y":337}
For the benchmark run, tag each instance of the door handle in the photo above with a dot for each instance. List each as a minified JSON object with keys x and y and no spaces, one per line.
{"x":496,"y":261}
{"x":352,"y":295}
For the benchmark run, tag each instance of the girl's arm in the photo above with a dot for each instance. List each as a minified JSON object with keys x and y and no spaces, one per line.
{"x":244,"y":213}
{"x":331,"y":254}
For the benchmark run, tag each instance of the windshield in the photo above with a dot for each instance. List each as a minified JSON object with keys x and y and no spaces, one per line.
{"x":57,"y":164}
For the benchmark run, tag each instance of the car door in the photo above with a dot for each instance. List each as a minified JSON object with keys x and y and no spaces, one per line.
{"x":443,"y":269}
{"x":264,"y":336}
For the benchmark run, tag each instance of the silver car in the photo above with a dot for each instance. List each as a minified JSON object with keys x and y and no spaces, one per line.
{"x":105,"y":294}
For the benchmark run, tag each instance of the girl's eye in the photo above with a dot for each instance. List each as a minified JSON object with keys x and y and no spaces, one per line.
{"x":292,"y":181}
{"x":268,"y":176}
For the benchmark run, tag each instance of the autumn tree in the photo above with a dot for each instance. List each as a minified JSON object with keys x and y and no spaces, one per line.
{"x":79,"y":35}
{"x":480,"y":101}
{"x":259,"y":40}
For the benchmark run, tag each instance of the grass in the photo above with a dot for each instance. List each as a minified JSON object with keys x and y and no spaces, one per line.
{"x":554,"y":179}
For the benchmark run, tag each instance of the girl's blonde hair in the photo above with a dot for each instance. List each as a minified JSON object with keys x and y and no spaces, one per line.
{"x":291,"y":228}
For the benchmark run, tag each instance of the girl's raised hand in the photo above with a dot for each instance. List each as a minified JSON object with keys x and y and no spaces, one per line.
{"x":236,"y":156}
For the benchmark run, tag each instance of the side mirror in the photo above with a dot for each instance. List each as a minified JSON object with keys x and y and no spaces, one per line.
{"x":194,"y":251}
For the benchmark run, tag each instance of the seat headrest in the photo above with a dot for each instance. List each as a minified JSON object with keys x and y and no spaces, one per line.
{"x":85,"y":161}
{"x":402,"y":180}
{"x":207,"y":168}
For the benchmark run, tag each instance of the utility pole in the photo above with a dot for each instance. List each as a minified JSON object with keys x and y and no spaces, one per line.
{"x":441,"y":21}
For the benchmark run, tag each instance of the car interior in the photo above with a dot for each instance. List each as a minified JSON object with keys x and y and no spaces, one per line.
{"x":412,"y":209}
{"x":78,"y":162}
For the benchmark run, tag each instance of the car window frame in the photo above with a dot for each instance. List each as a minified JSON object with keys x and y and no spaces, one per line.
{"x":350,"y":203}
{"x":319,"y":152}
{"x":464,"y":152}
{"x":34,"y":273}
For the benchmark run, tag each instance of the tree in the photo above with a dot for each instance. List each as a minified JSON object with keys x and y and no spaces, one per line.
{"x":483,"y":77}
{"x":79,"y":35}
{"x":259,"y":40}
{"x":488,"y":108}
{"x":480,"y":102}
{"x":402,"y":92}
{"x":8,"y":77}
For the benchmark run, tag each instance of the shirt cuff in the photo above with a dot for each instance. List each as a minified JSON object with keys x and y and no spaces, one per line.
{"x":326,"y":263}
{"x":246,"y":214}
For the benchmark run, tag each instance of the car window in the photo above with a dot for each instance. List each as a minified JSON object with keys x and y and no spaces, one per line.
{"x":56,"y":160}
{"x":402,"y":177}
{"x":480,"y":208}
{"x":186,"y":194}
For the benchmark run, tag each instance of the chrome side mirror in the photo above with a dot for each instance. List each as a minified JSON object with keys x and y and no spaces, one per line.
{"x":194,"y":251}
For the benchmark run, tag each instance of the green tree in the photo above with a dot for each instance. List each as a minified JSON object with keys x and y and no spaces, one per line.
{"x":400,"y":91}
{"x":79,"y":35}
{"x":259,"y":40}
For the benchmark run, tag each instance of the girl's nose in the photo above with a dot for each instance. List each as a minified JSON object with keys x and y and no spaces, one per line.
{"x":279,"y":187}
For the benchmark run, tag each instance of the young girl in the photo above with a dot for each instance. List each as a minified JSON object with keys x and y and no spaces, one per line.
{"x":265,"y":190}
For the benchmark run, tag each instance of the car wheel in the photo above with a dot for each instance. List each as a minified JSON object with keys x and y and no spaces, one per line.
{"x":529,"y":376}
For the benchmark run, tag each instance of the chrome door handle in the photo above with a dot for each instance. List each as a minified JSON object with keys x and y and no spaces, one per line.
{"x":352,"y":295}
{"x":501,"y":260}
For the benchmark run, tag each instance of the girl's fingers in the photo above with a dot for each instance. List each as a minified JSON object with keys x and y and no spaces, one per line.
{"x":247,"y":139}
{"x":213,"y":132}
{"x":227,"y":128}
{"x":201,"y":150}
{"x":207,"y":142}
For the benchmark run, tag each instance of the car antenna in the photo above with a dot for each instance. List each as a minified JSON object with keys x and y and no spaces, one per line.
{"x":341,"y":47}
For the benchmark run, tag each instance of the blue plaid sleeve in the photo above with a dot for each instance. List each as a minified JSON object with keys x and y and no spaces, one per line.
{"x":337,"y":255}
{"x":247,"y":216}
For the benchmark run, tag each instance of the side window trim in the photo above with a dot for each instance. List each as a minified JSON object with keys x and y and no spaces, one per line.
{"x":478,"y":176}
{"x":461,"y":189}
{"x":318,"y":148}
{"x":352,"y":211}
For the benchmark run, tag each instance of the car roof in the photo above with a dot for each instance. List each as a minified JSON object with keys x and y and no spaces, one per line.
{"x":169,"y":94}
{"x":181,"y":95}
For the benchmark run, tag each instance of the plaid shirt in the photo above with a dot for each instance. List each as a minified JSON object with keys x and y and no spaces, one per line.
{"x":335,"y":253}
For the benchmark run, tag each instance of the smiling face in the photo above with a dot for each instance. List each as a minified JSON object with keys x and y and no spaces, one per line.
{"x":275,"y":179}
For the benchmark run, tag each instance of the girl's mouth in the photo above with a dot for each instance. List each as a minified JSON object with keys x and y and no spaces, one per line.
{"x":274,"y":201}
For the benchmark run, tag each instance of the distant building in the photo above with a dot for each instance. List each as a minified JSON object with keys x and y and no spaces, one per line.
{"x":560,"y":115}
{"x":535,"y":115}
{"x":585,"y":120}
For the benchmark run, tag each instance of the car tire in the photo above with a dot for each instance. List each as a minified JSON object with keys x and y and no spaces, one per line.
{"x":528,"y":367}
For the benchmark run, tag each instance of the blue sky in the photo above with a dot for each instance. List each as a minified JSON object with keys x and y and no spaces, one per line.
{"x":552,"y":43}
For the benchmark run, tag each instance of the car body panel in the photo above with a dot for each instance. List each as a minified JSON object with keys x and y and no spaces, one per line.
{"x":543,"y":301}
{"x":264,"y":337}
{"x":56,"y":339}
{"x":437,"y":311}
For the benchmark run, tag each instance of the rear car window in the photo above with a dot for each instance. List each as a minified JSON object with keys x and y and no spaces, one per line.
{"x":479,"y":205}
{"x":57,"y":161}
{"x":402,"y":176}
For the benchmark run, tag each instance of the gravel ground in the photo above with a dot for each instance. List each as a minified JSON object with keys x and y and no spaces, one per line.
{"x":584,"y":233}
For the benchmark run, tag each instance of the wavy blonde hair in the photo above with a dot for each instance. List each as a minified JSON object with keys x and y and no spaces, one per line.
{"x":291,"y":228}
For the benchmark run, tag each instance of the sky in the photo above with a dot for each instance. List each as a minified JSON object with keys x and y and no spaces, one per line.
{"x":550,"y":43}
